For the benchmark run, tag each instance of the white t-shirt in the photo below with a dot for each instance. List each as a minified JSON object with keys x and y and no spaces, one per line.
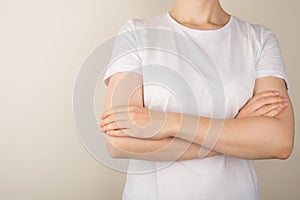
{"x":200,"y":72}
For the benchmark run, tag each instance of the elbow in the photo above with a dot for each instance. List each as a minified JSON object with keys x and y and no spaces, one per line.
{"x":285,"y":148}
{"x":114,"y":153}
{"x":113,"y":147}
{"x":284,"y":153}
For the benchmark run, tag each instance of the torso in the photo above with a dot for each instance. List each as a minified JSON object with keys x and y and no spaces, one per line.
{"x":207,"y":73}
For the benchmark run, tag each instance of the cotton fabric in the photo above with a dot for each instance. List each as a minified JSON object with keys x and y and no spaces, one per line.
{"x":232,"y":57}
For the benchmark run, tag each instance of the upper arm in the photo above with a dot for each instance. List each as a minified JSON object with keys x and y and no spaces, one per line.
{"x":124,"y":88}
{"x":123,"y":75}
{"x":270,"y":74}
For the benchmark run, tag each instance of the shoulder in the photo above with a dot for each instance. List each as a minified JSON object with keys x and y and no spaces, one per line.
{"x":159,"y":20}
{"x":252,"y":31}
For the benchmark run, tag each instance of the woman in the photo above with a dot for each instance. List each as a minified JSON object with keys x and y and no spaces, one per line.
{"x":258,"y":121}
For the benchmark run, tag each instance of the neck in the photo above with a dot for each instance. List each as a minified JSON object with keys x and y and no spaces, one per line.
{"x":199,"y":12}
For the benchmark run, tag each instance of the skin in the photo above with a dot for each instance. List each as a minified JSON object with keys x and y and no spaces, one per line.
{"x":263,"y":128}
{"x":266,"y":104}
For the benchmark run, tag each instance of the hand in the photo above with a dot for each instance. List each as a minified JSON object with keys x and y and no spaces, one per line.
{"x":267,"y":103}
{"x":136,"y":121}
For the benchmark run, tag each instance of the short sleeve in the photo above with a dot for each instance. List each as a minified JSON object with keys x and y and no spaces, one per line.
{"x":125,"y":56}
{"x":270,"y":61}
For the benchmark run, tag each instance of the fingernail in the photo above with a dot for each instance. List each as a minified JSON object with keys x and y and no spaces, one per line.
{"x":285,"y":103}
{"x":276,"y":93}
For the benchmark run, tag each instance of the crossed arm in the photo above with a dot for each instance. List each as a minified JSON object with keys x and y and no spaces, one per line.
{"x":264,"y":128}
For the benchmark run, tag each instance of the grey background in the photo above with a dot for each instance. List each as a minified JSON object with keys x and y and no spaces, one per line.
{"x":43,"y":44}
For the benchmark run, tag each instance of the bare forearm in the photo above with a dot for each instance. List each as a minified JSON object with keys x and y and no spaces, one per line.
{"x":247,"y":138}
{"x":166,"y":150}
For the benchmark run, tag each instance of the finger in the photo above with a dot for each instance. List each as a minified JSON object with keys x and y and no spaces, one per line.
{"x":118,"y":109}
{"x":122,"y":124}
{"x":114,"y":117}
{"x":114,"y":109}
{"x":117,"y":133}
{"x":107,"y":121}
{"x":111,"y":126}
{"x":274,"y":112}
{"x":267,"y":100}
{"x":268,"y":93}
{"x":265,"y":109}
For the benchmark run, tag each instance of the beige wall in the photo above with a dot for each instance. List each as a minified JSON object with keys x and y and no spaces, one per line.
{"x":42,"y":45}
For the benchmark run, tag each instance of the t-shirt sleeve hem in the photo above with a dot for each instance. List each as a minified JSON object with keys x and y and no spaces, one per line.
{"x":120,"y":68}
{"x":265,"y":73}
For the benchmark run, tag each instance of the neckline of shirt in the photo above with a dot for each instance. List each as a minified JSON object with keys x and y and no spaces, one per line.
{"x":226,"y":26}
